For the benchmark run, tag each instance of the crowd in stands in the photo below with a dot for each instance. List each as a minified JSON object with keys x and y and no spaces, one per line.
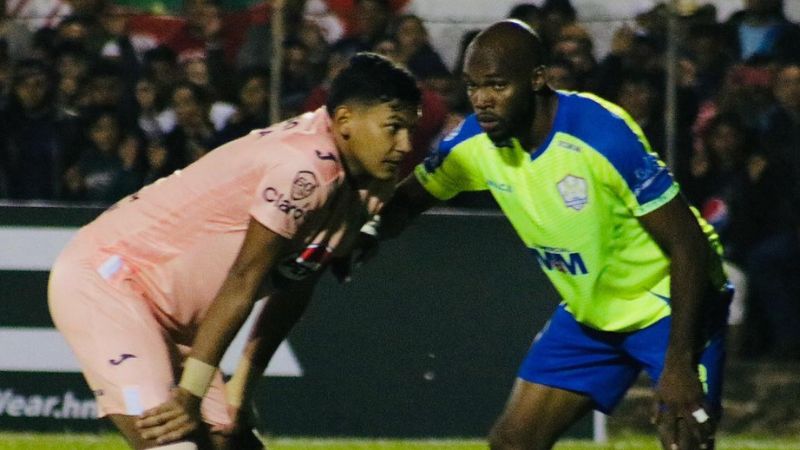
{"x":105,"y":100}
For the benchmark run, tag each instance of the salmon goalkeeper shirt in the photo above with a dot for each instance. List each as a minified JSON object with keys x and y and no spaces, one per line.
{"x":575,"y":202}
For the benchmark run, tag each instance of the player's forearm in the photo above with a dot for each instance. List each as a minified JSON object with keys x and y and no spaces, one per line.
{"x":689,"y":281}
{"x":281,"y":312}
{"x":225,"y":316}
{"x":409,"y":201}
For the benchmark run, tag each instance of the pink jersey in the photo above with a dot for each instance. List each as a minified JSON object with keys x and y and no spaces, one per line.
{"x":178,"y":237}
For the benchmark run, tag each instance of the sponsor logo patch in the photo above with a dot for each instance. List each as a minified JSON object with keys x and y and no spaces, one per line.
{"x":304,"y":184}
{"x":560,"y":260}
{"x":272,"y":195}
{"x":499,"y":186}
{"x":122,"y":358}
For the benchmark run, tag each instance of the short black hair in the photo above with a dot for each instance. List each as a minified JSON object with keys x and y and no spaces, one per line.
{"x":372,"y":78}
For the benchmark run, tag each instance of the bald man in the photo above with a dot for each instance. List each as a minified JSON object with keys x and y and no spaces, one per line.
{"x":639,"y":273}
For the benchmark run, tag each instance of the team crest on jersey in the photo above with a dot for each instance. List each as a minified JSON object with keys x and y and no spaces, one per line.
{"x":574,"y":192}
{"x":304,"y":184}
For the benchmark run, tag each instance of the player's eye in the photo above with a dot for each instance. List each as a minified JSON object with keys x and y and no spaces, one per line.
{"x":499,"y":85}
{"x":394,"y":127}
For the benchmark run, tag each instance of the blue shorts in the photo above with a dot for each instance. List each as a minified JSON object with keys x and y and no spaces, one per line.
{"x":603,"y":365}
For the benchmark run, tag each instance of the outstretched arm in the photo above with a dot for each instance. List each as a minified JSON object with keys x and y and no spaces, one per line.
{"x":227,"y":313}
{"x":409,"y":201}
{"x":680,"y":393}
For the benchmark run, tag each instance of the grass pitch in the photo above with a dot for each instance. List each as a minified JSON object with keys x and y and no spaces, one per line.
{"x":37,"y":441}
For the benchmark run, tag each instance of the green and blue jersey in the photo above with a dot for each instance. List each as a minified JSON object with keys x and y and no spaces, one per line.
{"x":575,"y":202}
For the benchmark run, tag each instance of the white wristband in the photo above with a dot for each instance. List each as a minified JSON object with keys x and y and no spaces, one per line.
{"x":371,"y":227}
{"x":197,"y":376}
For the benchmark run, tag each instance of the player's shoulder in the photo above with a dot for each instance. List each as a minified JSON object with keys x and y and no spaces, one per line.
{"x":465,"y":135}
{"x":598,"y":122}
{"x":305,"y":143}
{"x":465,"y":132}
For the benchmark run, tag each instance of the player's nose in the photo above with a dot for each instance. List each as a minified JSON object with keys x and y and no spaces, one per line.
{"x":482,"y":99}
{"x":403,"y":141}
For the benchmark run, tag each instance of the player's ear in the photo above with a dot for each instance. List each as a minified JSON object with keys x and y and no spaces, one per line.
{"x":539,"y":78}
{"x":343,"y":119}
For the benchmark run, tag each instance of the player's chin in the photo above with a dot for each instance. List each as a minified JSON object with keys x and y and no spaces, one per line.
{"x":498,"y":135}
{"x":386,"y":171}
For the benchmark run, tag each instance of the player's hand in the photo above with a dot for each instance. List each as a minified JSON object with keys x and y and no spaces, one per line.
{"x":365,"y":247}
{"x":171,"y":420}
{"x":239,"y":422}
{"x":240,"y":431}
{"x":679,"y":410}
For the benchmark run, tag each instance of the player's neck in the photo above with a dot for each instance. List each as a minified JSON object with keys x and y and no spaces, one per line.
{"x":355,"y":174}
{"x":543,"y":118}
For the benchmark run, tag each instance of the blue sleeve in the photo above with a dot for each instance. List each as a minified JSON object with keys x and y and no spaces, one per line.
{"x":611,"y":131}
{"x":465,"y":130}
{"x":452,"y":167}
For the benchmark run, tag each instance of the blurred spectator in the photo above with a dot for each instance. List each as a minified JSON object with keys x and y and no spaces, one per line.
{"x":194,"y":134}
{"x":253,"y":105}
{"x":158,"y":162}
{"x":16,"y":40}
{"x":149,"y":105}
{"x":161,"y":65}
{"x":580,"y":57}
{"x":108,"y":166}
{"x":723,"y":178}
{"x":775,"y":215}
{"x":120,"y":46}
{"x":706,"y":60}
{"x":415,"y":52}
{"x":761,"y":29}
{"x":35,"y":137}
{"x":105,"y":87}
{"x":640,"y":96}
{"x":372,"y":18}
{"x":72,"y":65}
{"x":297,"y":80}
{"x":556,"y":14}
{"x":653,"y":23}
{"x":783,"y":121}
{"x":256,"y":50}
{"x":721,"y":175}
{"x":87,"y":7}
{"x":561,"y":75}
{"x":631,"y":51}
{"x":309,"y":34}
{"x":197,"y":71}
{"x":202,"y":31}
{"x":746,"y":91}
{"x":319,"y":93}
{"x":84,"y":31}
{"x":530,"y":14}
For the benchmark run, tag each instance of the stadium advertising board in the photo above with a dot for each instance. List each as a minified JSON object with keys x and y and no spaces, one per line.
{"x":424,"y":342}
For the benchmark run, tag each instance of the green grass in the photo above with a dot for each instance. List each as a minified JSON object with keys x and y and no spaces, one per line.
{"x":37,"y":441}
